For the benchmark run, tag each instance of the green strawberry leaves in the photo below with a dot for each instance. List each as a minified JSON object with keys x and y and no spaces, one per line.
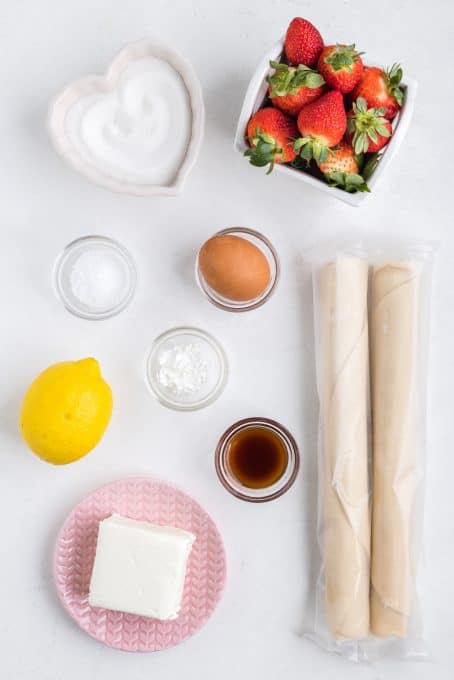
{"x":350,"y":182}
{"x":263,"y":151}
{"x":289,"y":80}
{"x":360,"y":106}
{"x":366,"y":124}
{"x":310,"y":148}
{"x":343,"y":58}
{"x":299,"y":163}
{"x":370,"y":166}
{"x":393,"y":78}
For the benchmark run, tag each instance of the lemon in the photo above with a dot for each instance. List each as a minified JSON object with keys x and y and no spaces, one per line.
{"x":65,"y":411}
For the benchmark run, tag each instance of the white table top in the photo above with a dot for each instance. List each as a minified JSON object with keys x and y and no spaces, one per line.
{"x":256,"y":631}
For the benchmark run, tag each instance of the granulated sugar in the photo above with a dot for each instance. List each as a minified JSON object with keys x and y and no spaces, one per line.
{"x":97,"y":279}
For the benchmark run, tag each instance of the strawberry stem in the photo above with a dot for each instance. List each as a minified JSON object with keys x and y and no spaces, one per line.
{"x":311,"y":148}
{"x":350,"y":182}
{"x":288,"y":79}
{"x":370,"y":165}
{"x":366,"y":124}
{"x":343,"y":57}
{"x":393,"y":78}
{"x":263,"y":151}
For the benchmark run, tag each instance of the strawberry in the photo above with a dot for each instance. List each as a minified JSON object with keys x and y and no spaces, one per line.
{"x":341,"y":66}
{"x":291,"y":88}
{"x":381,"y":89}
{"x":322,"y":125}
{"x":367,"y":129}
{"x":303,"y":42}
{"x":340,"y":159}
{"x":270,"y":134}
{"x":341,"y":169}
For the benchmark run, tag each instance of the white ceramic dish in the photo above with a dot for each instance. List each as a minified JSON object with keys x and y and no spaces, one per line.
{"x":107,"y":83}
{"x":253,"y":100}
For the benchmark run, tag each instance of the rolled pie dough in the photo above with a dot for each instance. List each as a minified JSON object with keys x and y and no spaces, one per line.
{"x":340,"y":306}
{"x":394,"y":361}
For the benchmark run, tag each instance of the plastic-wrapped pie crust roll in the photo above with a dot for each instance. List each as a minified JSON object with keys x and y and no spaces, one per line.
{"x":340,"y":307}
{"x":394,"y":359}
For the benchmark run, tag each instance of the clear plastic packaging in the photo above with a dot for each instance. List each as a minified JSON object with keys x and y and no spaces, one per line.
{"x":371,"y":321}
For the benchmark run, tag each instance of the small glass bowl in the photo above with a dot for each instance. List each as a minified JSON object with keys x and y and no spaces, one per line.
{"x":211,"y":353}
{"x":271,"y":255}
{"x":120,"y":259}
{"x":232,"y":484}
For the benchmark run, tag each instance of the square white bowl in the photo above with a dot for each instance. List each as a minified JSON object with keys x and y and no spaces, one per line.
{"x":253,"y":101}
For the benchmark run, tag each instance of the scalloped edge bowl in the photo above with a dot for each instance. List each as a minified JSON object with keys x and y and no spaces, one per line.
{"x":83,"y":87}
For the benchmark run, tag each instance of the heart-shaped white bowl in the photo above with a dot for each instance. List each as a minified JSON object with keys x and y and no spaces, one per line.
{"x":106,"y":84}
{"x":255,"y":97}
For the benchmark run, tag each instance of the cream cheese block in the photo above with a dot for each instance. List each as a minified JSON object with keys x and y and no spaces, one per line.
{"x":140,"y":568}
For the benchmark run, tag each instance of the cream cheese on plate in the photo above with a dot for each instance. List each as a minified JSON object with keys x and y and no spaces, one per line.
{"x":140,"y":568}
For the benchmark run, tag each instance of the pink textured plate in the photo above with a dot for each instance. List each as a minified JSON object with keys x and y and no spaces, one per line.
{"x":151,"y":501}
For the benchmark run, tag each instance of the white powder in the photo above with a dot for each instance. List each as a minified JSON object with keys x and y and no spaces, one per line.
{"x":182,"y":369}
{"x":97,"y":279}
{"x":138,"y":132}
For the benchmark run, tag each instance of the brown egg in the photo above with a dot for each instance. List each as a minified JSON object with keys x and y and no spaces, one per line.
{"x":234,"y":267}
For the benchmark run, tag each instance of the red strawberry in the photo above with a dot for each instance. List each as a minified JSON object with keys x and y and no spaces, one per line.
{"x":303,"y":42}
{"x":381,"y":89}
{"x":341,"y":159}
{"x":322,"y":125}
{"x":341,"y":169}
{"x":291,"y":88}
{"x":341,"y":66}
{"x":270,"y":134}
{"x":367,"y":129}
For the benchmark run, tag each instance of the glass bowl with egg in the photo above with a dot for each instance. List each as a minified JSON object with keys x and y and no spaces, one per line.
{"x":237,"y":269}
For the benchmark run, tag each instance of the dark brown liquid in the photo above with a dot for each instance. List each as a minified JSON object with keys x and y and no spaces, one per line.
{"x":257,"y":457}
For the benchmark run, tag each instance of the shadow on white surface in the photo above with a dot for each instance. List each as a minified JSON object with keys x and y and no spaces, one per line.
{"x":309,"y":447}
{"x":9,"y":418}
{"x":223,"y":111}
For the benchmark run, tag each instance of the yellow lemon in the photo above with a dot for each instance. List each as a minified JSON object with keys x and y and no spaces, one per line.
{"x":66,"y":410}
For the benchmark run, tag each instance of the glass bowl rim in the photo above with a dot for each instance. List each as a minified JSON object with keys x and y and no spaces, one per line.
{"x":241,"y":491}
{"x":60,"y":264}
{"x":249,"y":305}
{"x":223,"y":364}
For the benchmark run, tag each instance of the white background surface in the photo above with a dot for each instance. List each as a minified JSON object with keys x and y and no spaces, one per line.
{"x":256,"y":631}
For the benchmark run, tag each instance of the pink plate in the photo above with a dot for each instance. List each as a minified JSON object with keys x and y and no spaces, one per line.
{"x":151,"y":501}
